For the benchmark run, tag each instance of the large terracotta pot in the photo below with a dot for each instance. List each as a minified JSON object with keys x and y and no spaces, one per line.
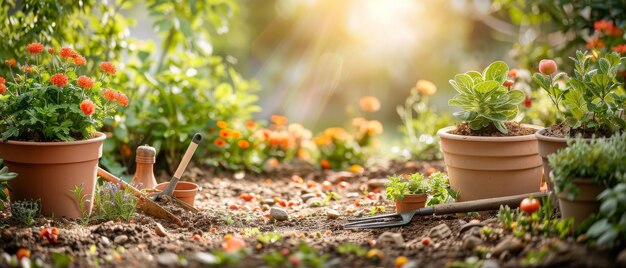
{"x":547,"y":146}
{"x":584,"y":204}
{"x":411,"y":202}
{"x":486,"y":167}
{"x":48,"y":171}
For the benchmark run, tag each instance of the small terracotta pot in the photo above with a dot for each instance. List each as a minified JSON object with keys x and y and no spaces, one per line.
{"x":584,"y":204}
{"x":411,"y":202}
{"x":547,"y":146}
{"x":47,"y":171}
{"x":185,"y":191}
{"x":486,"y":167}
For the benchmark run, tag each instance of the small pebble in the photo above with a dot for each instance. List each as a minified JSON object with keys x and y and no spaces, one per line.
{"x":167,"y":259}
{"x":105,"y":241}
{"x":279,"y":214}
{"x":160,"y":231}
{"x":120,"y":239}
{"x":268,"y":202}
{"x":332,"y":214}
{"x":306,"y":197}
{"x":315,"y":202}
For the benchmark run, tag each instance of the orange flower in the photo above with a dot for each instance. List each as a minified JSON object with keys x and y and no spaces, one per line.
{"x":108,"y":94}
{"x":513,"y":73}
{"x":121,"y":99}
{"x":425,"y":87}
{"x":279,"y":120}
{"x":374,"y":127}
{"x":108,"y":67}
{"x":59,"y":80}
{"x":10,"y":62}
{"x":369,"y":104}
{"x":235,"y":134}
{"x":221,"y":124}
{"x":125,"y":150}
{"x":594,"y":43}
{"x":243,"y":144}
{"x":67,"y":52}
{"x":325,"y":164}
{"x":224,"y":133}
{"x":26,"y":68}
{"x":51,"y":51}
{"x":2,"y":80}
{"x":3,"y":88}
{"x":34,"y":48}
{"x":251,"y":125}
{"x":85,"y":82}
{"x":620,"y":48}
{"x":87,"y":107}
{"x":80,"y":60}
{"x":22,"y":253}
{"x":219,"y":142}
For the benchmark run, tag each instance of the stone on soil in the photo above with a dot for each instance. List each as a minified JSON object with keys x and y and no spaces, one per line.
{"x":332,"y":214}
{"x":168,"y":259}
{"x":315,"y":202}
{"x":509,"y":244}
{"x":306,"y":197}
{"x":470,"y":242}
{"x":389,"y":239}
{"x":268,"y":201}
{"x":205,"y":258}
{"x":440,"y":231}
{"x":376,"y":184}
{"x":160,"y":231}
{"x":120,"y":239}
{"x":279,"y":214}
{"x":105,"y":241}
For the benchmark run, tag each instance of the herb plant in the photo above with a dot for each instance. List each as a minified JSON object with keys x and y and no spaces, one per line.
{"x":25,"y":211}
{"x":49,"y":99}
{"x":600,"y":160}
{"x":484,"y":98}
{"x":110,"y":203}
{"x":436,"y":186}
{"x":542,"y":221}
{"x":610,"y":226}
{"x":5,"y":176}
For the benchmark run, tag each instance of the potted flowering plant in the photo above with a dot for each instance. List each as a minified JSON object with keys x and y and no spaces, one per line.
{"x":49,"y":114}
{"x":488,"y":155}
{"x":414,"y":191}
{"x":589,"y":103}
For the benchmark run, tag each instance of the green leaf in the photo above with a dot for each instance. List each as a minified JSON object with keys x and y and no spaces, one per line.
{"x":496,"y":71}
{"x":486,"y":86}
{"x":465,"y":115}
{"x":464,"y":83}
{"x":598,"y":228}
{"x":516,"y":97}
{"x":501,"y":127}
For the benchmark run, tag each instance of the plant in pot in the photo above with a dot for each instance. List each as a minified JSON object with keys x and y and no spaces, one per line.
{"x":488,"y":155}
{"x":583,"y":169}
{"x":414,"y":191}
{"x":590,"y":103}
{"x":49,"y":114}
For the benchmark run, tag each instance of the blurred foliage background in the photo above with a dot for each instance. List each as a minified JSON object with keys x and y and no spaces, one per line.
{"x":188,"y":64}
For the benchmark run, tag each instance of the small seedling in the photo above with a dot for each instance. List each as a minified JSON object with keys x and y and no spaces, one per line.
{"x":25,"y":211}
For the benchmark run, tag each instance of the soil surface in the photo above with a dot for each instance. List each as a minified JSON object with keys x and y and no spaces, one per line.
{"x":431,"y":241}
{"x":562,"y":130}
{"x":514,"y":129}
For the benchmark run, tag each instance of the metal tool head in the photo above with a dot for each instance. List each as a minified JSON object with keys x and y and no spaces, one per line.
{"x":381,"y":221}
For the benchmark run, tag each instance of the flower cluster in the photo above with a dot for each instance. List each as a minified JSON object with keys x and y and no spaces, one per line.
{"x":47,"y":99}
{"x":607,"y":35}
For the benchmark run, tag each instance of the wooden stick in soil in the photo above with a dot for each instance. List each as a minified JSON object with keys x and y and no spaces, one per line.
{"x":145,"y":204}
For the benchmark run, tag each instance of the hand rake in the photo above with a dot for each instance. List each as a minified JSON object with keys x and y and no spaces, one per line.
{"x":380,"y":221}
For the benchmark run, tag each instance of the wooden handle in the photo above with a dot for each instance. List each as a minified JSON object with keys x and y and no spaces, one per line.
{"x":484,"y":204}
{"x":110,"y":177}
{"x":187,"y":157}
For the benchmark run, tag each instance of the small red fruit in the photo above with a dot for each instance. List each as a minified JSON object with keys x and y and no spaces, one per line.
{"x":282,"y":203}
{"x":197,"y":237}
{"x":508,"y":83}
{"x":529,"y":205}
{"x":528,"y":102}
{"x":21,"y":253}
{"x":547,"y":67}
{"x":294,"y":260}
{"x":425,"y":241}
{"x":233,"y":207}
{"x":247,"y":197}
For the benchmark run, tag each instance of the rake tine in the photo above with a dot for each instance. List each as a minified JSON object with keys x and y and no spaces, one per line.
{"x":376,"y":225}
{"x":362,"y":219}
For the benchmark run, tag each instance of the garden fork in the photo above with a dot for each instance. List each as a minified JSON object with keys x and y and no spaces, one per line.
{"x":380,"y":221}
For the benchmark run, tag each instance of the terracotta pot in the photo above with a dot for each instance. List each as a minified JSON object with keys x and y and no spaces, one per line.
{"x":584,"y":204}
{"x":185,"y":191}
{"x":486,"y":167}
{"x":49,"y":170}
{"x":411,"y":202}
{"x":547,"y":146}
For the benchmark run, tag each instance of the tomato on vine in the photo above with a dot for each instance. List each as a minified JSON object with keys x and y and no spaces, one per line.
{"x":529,"y":205}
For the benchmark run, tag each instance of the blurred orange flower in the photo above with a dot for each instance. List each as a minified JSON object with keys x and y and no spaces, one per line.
{"x":243,"y":144}
{"x":85,"y":82}
{"x":224,"y":133}
{"x":425,"y":87}
{"x":80,"y":60}
{"x":251,"y":125}
{"x":67,"y":52}
{"x":219,"y":142}
{"x":374,"y":127}
{"x":221,"y":124}
{"x":10,"y":62}
{"x":34,"y":48}
{"x":325,"y":164}
{"x":279,"y":120}
{"x":235,"y":134}
{"x":369,"y":104}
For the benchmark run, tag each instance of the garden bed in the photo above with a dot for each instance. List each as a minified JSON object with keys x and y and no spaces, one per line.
{"x":224,"y":211}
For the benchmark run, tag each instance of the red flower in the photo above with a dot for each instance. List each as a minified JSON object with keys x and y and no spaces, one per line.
{"x":528,"y":102}
{"x":109,"y":94}
{"x":508,"y":83}
{"x":67,"y":52}
{"x":513,"y":73}
{"x":35,"y":48}
{"x":87,"y":107}
{"x":3,"y":88}
{"x":51,"y":51}
{"x":325,"y":164}
{"x":594,"y":43}
{"x":107,"y":67}
{"x":10,"y":62}
{"x":26,"y":68}
{"x":84,"y":82}
{"x":603,"y":25}
{"x":121,"y":99}
{"x":620,"y":48}
{"x":2,"y":81}
{"x":59,"y":80}
{"x":80,"y":60}
{"x":219,"y":142}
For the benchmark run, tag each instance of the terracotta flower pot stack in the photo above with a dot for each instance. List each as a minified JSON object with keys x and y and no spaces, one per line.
{"x":486,"y":167}
{"x":48,"y":171}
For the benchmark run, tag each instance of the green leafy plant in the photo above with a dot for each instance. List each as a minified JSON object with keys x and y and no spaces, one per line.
{"x":542,"y":221}
{"x":599,"y":160}
{"x":484,"y":99}
{"x":351,"y":249}
{"x":305,"y":256}
{"x":5,"y":176}
{"x":110,"y":203}
{"x":80,"y":198}
{"x":610,"y":224}
{"x":25,"y":211}
{"x":47,"y":98}
{"x":269,"y":238}
{"x":436,"y":186}
{"x":590,"y":102}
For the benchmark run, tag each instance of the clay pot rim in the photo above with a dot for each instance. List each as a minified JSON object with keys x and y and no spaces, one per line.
{"x":444,"y":133}
{"x":99,"y":137}
{"x":194,"y":189}
{"x":414,"y":198}
{"x":542,"y":137}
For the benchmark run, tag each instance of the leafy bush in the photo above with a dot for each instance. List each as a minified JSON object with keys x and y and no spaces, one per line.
{"x":610,"y":224}
{"x":25,"y":211}
{"x":236,"y":147}
{"x":436,"y":187}
{"x":484,"y":98}
{"x":599,"y":160}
